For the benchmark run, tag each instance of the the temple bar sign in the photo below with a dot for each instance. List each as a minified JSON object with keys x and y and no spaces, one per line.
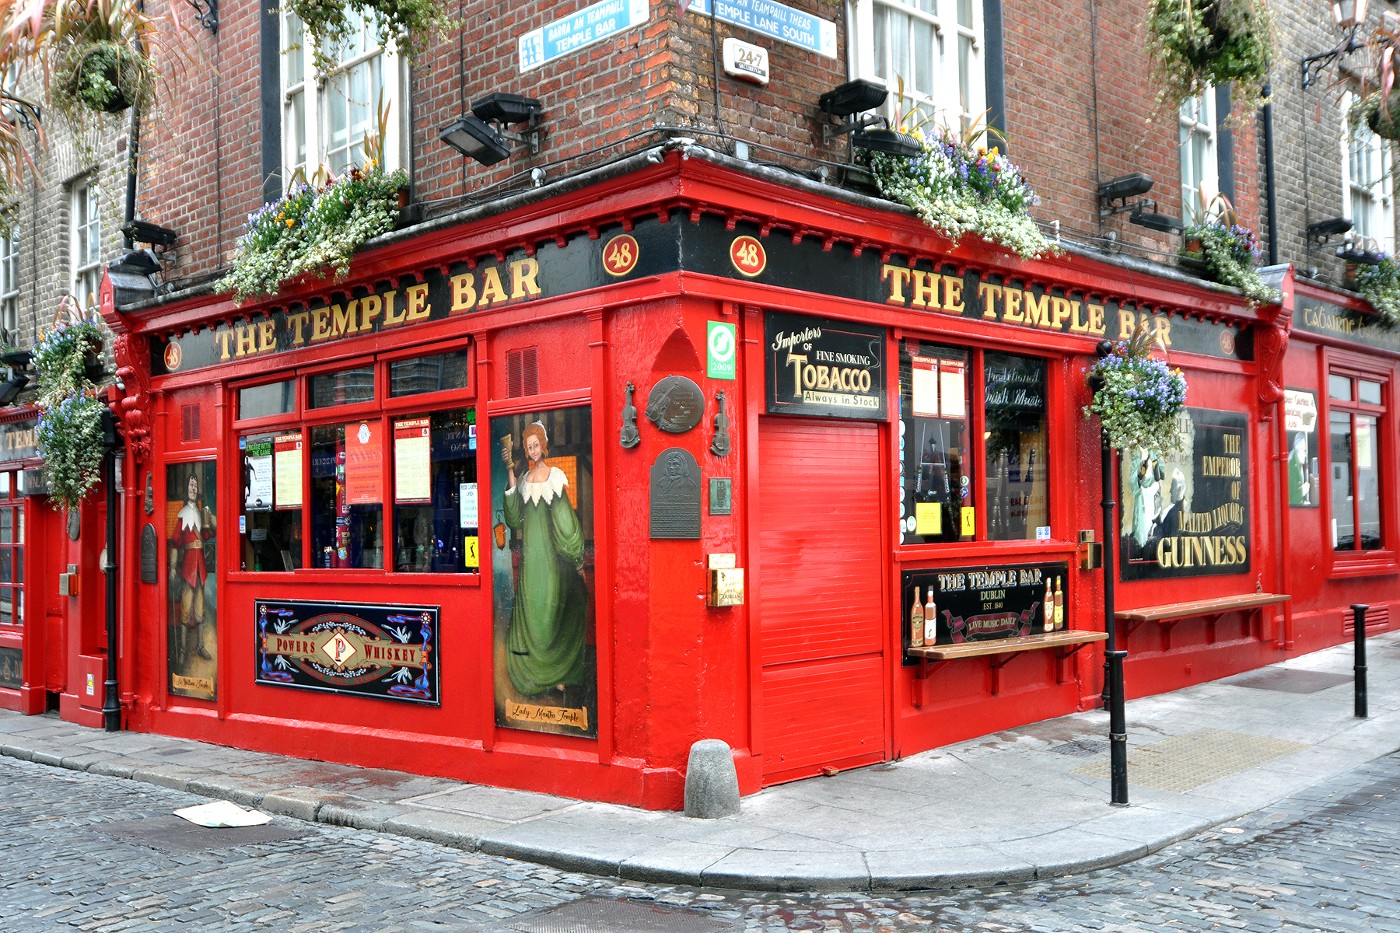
{"x":824,"y":368}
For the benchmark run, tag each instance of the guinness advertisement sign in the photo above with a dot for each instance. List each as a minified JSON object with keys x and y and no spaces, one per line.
{"x":824,"y":368}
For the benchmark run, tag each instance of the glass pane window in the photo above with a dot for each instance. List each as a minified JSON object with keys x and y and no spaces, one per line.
{"x":272,"y":495}
{"x":1357,"y":449}
{"x":932,"y":47}
{"x":347,"y":503}
{"x":11,"y":554}
{"x":9,"y":283}
{"x":344,"y":387}
{"x":436,"y":373}
{"x":1366,"y":183}
{"x":274,"y":398}
{"x":1017,"y":450}
{"x":435,"y":493}
{"x":329,"y":120}
{"x":1200,"y":176}
{"x":85,"y":244}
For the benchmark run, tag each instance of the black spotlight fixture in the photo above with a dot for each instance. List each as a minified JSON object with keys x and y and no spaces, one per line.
{"x":1321,"y":231}
{"x":11,"y":388}
{"x":888,"y":141}
{"x":847,"y":100}
{"x":1162,"y":223}
{"x":481,"y":136}
{"x":1114,"y":195}
{"x":139,"y":231}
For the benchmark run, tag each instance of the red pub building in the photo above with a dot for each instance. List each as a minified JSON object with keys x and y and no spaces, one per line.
{"x":686,"y":445}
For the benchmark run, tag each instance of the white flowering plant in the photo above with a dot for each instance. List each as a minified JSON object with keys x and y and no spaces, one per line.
{"x":1136,"y":396}
{"x":313,"y":228}
{"x":958,"y":186}
{"x":1230,"y":251}
{"x":1379,"y":283}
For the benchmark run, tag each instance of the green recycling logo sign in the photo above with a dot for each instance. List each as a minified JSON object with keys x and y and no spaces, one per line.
{"x":721,"y":350}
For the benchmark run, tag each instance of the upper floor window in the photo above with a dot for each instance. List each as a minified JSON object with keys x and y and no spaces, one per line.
{"x":327,"y":120}
{"x":1366,"y":184}
{"x":9,"y":284}
{"x":85,"y":244}
{"x":1200,"y":176}
{"x":934,"y":46}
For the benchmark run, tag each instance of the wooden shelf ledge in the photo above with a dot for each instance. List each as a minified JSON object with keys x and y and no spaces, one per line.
{"x":978,"y":649}
{"x":1201,"y":607}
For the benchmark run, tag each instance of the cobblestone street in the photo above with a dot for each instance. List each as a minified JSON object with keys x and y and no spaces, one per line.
{"x":94,"y":853}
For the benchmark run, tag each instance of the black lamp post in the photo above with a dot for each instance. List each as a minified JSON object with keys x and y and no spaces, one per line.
{"x":111,"y":698}
{"x":1113,"y":656}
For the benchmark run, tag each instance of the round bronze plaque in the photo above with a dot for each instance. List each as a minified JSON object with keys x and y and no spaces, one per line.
{"x":675,"y":404}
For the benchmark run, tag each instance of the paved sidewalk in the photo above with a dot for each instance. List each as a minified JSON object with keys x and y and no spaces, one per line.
{"x":1022,"y":804}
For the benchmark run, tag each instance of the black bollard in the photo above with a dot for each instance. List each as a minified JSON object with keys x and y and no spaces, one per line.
{"x":1359,"y":639}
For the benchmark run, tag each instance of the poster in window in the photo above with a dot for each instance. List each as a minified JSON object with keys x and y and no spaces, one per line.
{"x":287,"y":471}
{"x":412,"y":460}
{"x":545,"y":651}
{"x":1300,"y":423}
{"x":364,"y":476}
{"x":257,"y":475}
{"x":192,"y":582}
{"x":923,"y":386}
{"x":952,"y":388}
{"x":1186,"y":513}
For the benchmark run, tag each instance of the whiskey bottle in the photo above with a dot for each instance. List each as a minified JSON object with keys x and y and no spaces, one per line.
{"x":1047,"y":607}
{"x":930,"y":619}
{"x":916,"y":622}
{"x":1059,"y":606}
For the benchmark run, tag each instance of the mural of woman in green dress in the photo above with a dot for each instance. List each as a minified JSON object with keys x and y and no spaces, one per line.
{"x":545,"y":602}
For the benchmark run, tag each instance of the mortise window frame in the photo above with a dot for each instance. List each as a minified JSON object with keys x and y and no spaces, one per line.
{"x":1340,"y":367}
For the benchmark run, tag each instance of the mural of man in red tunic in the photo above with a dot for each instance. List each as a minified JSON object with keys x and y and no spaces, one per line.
{"x":189,"y":570}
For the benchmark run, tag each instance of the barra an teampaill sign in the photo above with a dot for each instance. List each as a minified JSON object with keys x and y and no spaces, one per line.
{"x":591,"y":24}
{"x":775,"y":20}
{"x":824,"y":368}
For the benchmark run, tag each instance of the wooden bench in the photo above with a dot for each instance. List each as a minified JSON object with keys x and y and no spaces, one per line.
{"x":1210,"y":609}
{"x":1001,"y":651}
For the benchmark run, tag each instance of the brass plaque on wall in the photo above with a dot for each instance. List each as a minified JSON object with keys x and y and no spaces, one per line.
{"x":675,"y":495}
{"x":150,"y":550}
{"x":675,"y":404}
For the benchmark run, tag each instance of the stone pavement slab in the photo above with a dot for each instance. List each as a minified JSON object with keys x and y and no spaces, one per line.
{"x":1015,"y":806}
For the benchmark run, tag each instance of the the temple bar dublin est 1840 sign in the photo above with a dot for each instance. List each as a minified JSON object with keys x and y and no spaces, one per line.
{"x":389,"y":652}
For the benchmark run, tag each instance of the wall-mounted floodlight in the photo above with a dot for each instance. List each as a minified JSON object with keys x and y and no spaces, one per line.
{"x":847,"y":100}
{"x":888,"y":141}
{"x":1114,"y":194}
{"x":1323,"y":230}
{"x":139,"y":231}
{"x":11,"y":388}
{"x":477,"y":138}
{"x":1162,"y":223}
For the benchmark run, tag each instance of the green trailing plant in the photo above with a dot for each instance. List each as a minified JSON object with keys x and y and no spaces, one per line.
{"x":313,"y":228}
{"x":408,"y":24}
{"x":101,"y":57}
{"x":1197,"y":43}
{"x":68,"y":435}
{"x":1379,"y":283}
{"x":959,"y":186}
{"x":1137,"y":396}
{"x":1229,"y":251}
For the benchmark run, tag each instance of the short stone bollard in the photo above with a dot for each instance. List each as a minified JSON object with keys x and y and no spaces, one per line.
{"x":711,"y":783}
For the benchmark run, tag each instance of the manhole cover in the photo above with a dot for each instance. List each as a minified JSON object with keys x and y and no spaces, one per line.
{"x":591,"y":914}
{"x":1185,"y":762}
{"x":1288,"y":681}
{"x":172,"y":834}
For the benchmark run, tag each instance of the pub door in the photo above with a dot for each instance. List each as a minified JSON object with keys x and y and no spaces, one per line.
{"x":820,"y":605}
{"x":52,"y":537}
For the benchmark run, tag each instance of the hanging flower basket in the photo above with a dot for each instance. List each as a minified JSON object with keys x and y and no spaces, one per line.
{"x":101,"y":60}
{"x":408,"y":24}
{"x":1227,"y":251}
{"x":1379,"y":283}
{"x":69,"y":433}
{"x":1137,"y":397}
{"x":1199,"y":43}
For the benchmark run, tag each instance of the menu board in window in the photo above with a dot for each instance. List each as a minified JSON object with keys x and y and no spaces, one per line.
{"x":364,"y":477}
{"x":412,"y":459}
{"x":286,"y":455}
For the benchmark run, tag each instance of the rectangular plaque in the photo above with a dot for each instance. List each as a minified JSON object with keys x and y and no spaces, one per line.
{"x":150,"y":554}
{"x":721,"y":501}
{"x":11,"y":670}
{"x":386,"y":652}
{"x":675,"y":495}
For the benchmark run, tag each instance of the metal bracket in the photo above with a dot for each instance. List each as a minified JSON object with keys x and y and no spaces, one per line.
{"x":207,"y":13}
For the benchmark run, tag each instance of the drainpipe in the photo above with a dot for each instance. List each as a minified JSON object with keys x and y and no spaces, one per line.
{"x":1266,"y":114}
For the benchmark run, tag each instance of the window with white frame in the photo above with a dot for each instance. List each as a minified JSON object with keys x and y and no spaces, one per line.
{"x":1366,"y":184}
{"x":1200,"y":175}
{"x":85,"y":244}
{"x":9,"y":282}
{"x":933,"y":46}
{"x":327,"y":119}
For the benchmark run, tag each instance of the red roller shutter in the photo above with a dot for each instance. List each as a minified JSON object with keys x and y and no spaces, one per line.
{"x":821,"y":597}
